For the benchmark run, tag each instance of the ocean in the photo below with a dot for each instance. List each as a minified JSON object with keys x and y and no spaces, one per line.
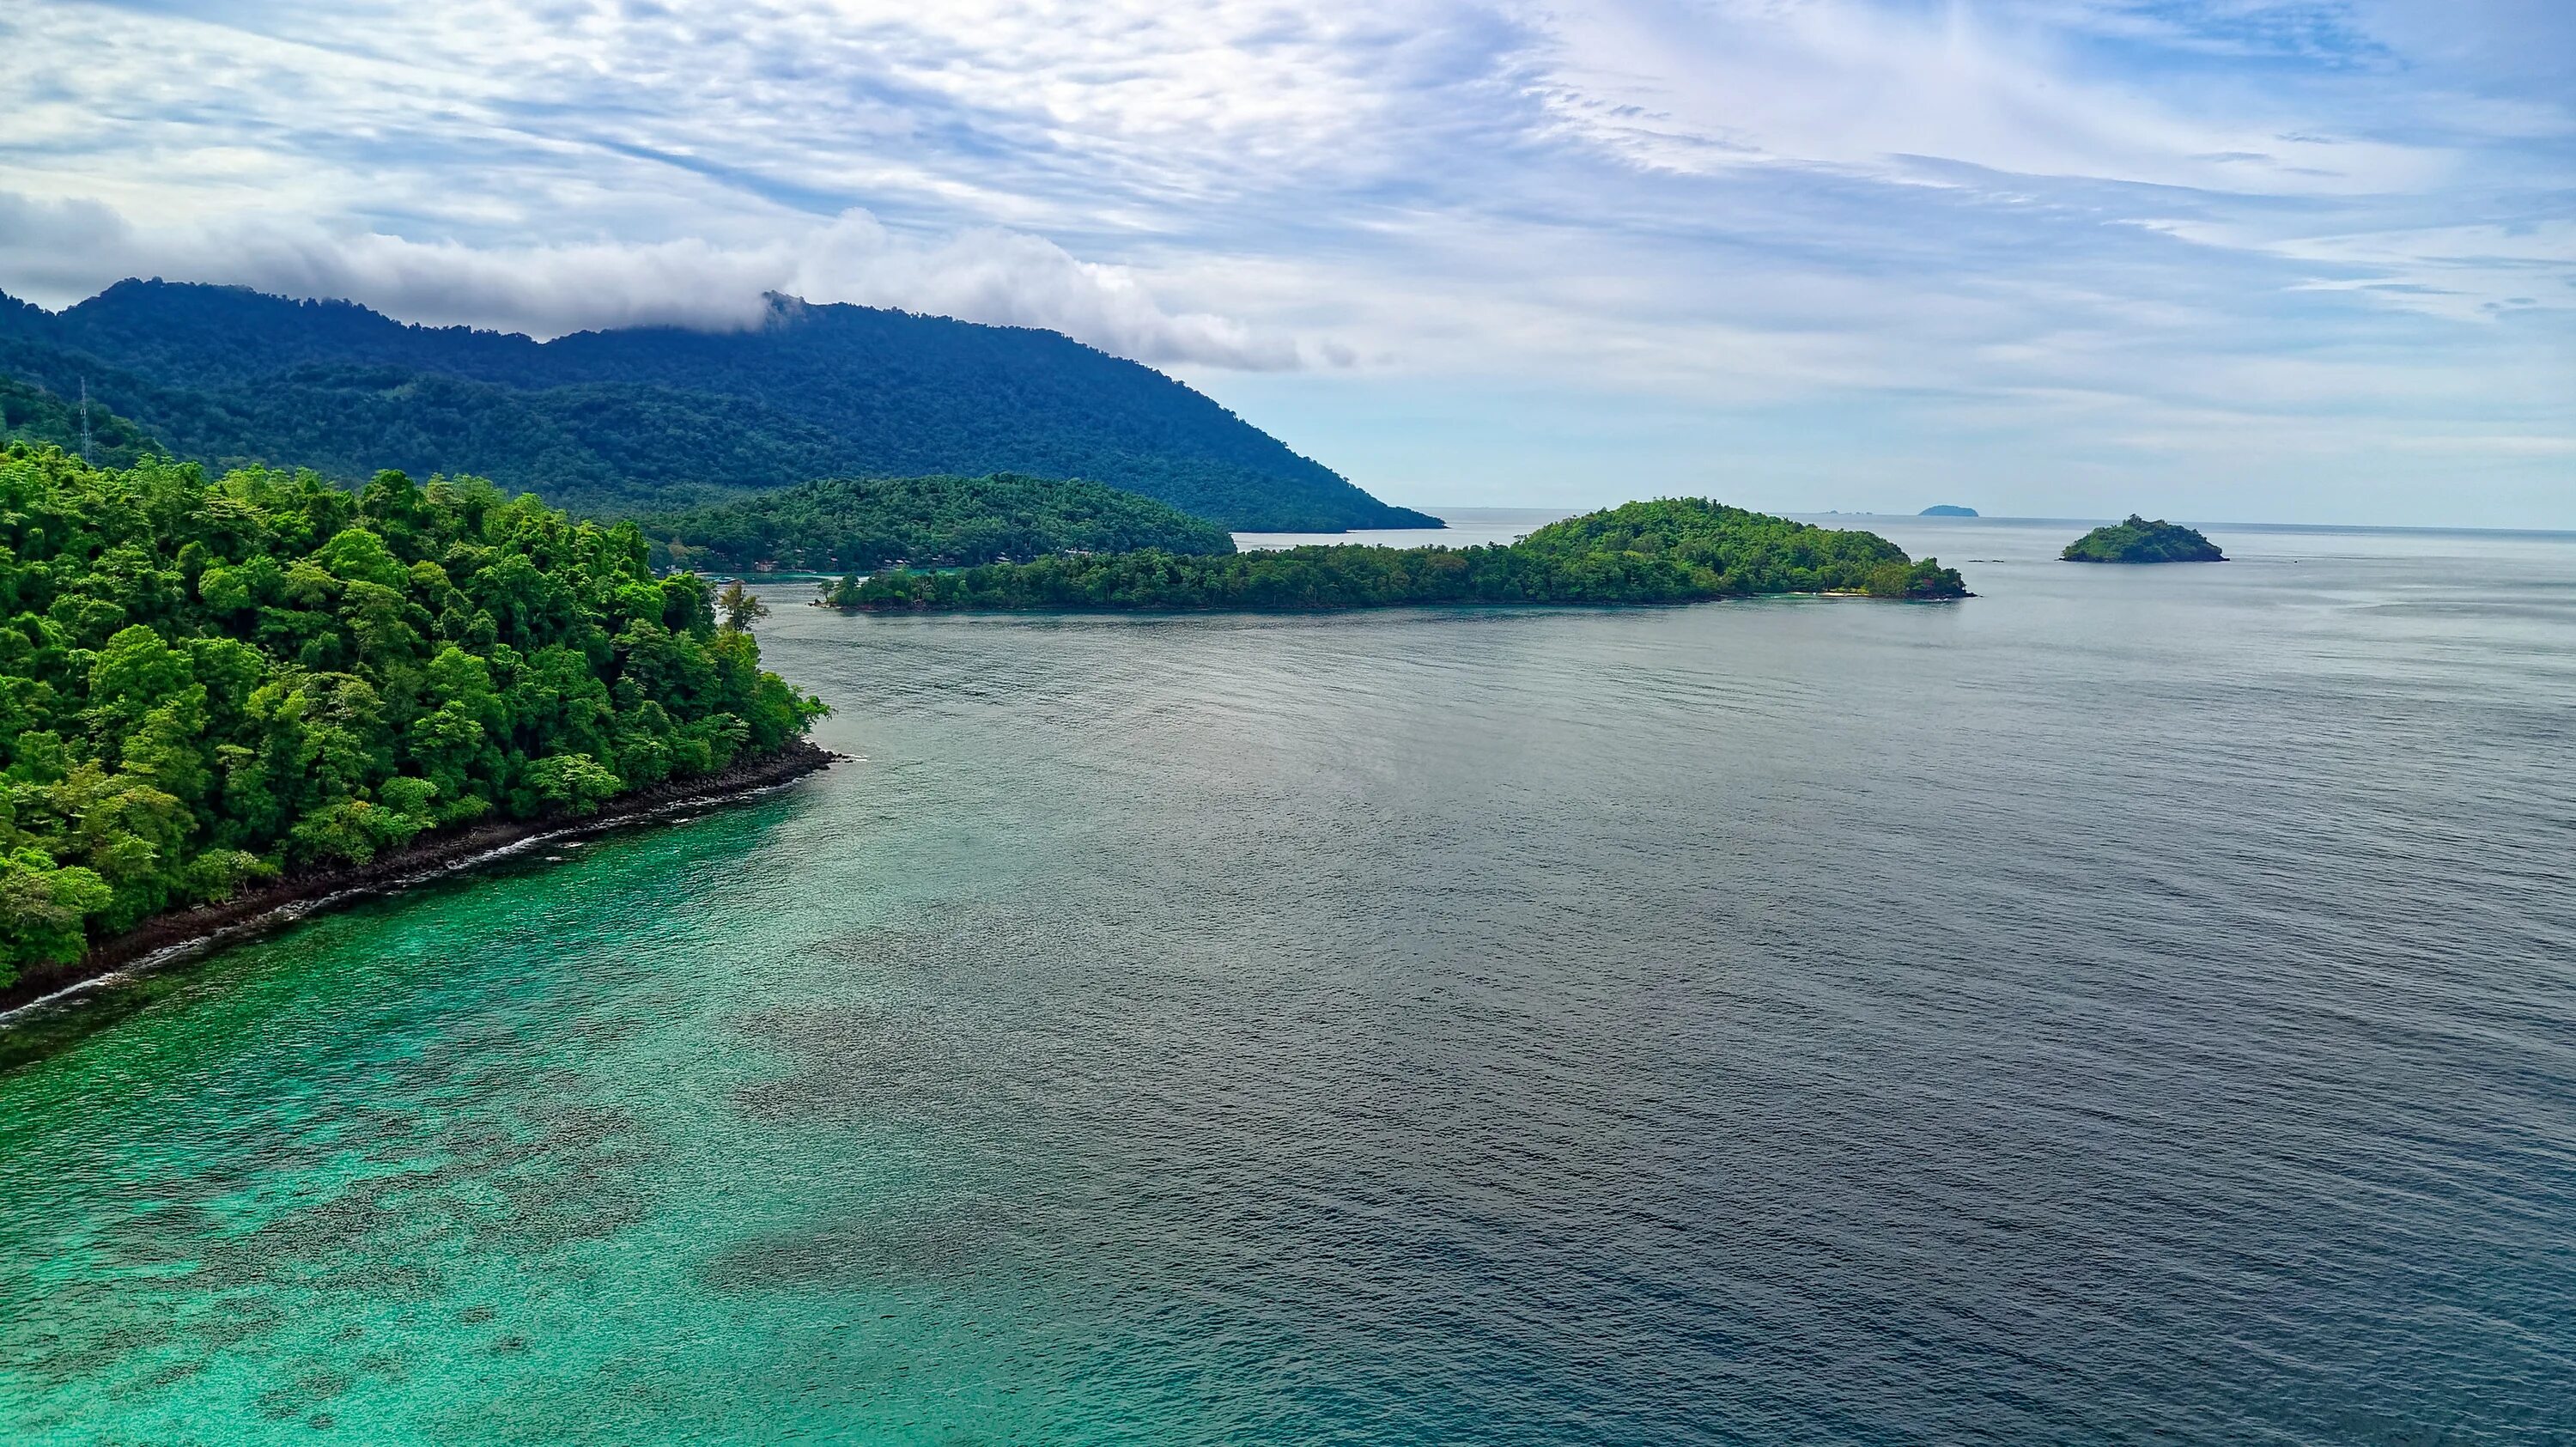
{"x":2132,"y":1005}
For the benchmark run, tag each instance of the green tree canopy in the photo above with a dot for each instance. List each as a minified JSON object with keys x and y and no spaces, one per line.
{"x":1672,"y":550}
{"x":846,"y":524}
{"x":203,"y":682}
{"x":2139,"y":541}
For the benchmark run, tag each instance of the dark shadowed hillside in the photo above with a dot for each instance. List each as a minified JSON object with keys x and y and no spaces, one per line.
{"x":30,"y":413}
{"x":653,"y":417}
{"x":852,"y":523}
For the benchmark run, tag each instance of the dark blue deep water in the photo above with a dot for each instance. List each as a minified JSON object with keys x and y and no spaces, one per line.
{"x":2134,"y":1005}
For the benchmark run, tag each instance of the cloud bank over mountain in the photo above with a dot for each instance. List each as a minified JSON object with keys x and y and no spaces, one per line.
{"x":69,"y":249}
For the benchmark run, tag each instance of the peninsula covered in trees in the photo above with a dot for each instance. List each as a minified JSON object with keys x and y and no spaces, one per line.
{"x":1673,"y":550}
{"x":205,"y":683}
{"x":853,"y":524}
{"x":2140,"y":541}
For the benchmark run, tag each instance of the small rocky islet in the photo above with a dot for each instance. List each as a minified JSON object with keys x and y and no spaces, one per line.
{"x":2138,"y":540}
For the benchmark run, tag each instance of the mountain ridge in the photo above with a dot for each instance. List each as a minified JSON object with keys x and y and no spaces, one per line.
{"x":815,"y":390}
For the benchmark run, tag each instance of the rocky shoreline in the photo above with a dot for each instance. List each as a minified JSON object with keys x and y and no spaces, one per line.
{"x":182,"y":932}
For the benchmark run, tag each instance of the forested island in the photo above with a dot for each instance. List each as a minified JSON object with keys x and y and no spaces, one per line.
{"x":2139,"y":541}
{"x":1672,"y":550}
{"x":207,"y":684}
{"x":862,"y":524}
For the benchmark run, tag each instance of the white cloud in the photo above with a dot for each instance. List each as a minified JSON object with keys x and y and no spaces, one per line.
{"x":59,"y":252}
{"x":1731,"y":83}
{"x":2473,"y":273}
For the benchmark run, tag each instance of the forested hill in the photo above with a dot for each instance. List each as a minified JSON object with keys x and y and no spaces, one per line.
{"x":656,"y":417}
{"x":844,"y":523}
{"x":31,"y":414}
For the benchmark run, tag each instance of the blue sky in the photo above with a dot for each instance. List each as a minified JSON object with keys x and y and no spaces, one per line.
{"x":2308,"y":260}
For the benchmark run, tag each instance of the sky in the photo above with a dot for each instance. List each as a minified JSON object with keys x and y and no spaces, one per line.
{"x":2222,"y":260}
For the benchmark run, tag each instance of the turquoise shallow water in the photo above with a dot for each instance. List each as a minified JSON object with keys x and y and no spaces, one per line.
{"x":2134,"y":1005}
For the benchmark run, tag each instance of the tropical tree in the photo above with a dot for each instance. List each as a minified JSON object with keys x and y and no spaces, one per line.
{"x":740,"y":607}
{"x":205,"y":682}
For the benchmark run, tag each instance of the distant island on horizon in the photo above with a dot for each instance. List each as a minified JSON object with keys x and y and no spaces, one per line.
{"x":2138,"y":540}
{"x":1947,"y":510}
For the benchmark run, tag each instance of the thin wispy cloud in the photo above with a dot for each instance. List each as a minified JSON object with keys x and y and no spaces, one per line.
{"x":2235,"y":257}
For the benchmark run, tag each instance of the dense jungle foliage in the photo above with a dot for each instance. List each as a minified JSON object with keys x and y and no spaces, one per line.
{"x":2140,"y":541}
{"x":1669,"y":551}
{"x":926,"y":521}
{"x":203,"y":683}
{"x":31,"y":414}
{"x":652,"y":418}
